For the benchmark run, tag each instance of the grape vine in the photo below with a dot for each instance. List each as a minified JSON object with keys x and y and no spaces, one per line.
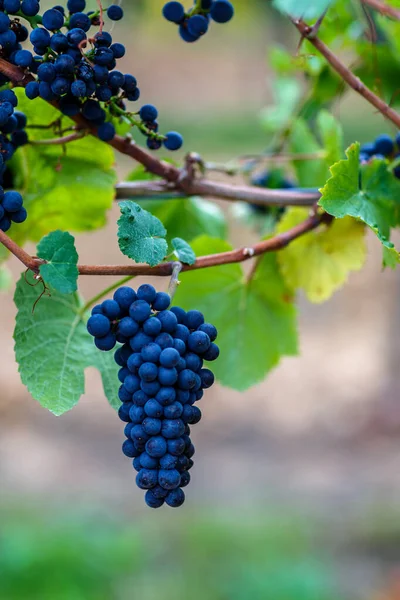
{"x":64,"y":108}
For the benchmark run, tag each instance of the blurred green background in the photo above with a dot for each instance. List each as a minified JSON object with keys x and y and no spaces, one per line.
{"x":295,"y":494}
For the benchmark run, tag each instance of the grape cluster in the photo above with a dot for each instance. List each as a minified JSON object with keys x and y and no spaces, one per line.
{"x":12,"y":136}
{"x":75,"y":69}
{"x":383,"y":147}
{"x":162,"y":377}
{"x":195,"y":22}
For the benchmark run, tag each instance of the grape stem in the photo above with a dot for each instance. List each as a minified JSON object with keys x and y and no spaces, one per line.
{"x":174,"y":283}
{"x":166,"y":269}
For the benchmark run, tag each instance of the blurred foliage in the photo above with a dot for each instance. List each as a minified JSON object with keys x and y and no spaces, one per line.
{"x":91,"y":556}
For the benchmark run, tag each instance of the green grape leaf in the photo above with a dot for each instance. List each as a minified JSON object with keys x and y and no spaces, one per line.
{"x":303,"y":9}
{"x":68,"y":189}
{"x":183,"y":251}
{"x":376,"y":201}
{"x":186,"y":218}
{"x":141,"y":236}
{"x":391,"y":257}
{"x":60,"y":270}
{"x":320,"y":261}
{"x":287,"y":92}
{"x":53,"y":348}
{"x":256,"y":320}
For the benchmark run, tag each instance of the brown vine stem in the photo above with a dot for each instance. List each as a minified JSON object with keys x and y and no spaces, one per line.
{"x":346,"y":74}
{"x":383,"y":8}
{"x":203,"y":187}
{"x":29,"y":261}
{"x":167,"y":269}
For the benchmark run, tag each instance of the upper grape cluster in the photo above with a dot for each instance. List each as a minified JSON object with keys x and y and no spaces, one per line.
{"x":73,"y":68}
{"x":383,"y":147}
{"x":162,"y":376}
{"x":195,"y":22}
{"x":12,"y":135}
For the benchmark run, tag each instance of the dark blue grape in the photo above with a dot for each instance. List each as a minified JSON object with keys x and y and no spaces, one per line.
{"x":32,"y":90}
{"x":23,"y":58}
{"x":151,"y":352}
{"x":148,"y":371}
{"x":52,"y":19}
{"x":147,"y":478}
{"x":197,"y":25}
{"x":173,"y":11}
{"x":153,"y":409}
{"x":125,"y":296}
{"x":173,"y":411}
{"x":166,"y":396}
{"x":156,"y":446}
{"x":106,"y":343}
{"x":166,"y":376}
{"x":221,"y":11}
{"x":186,"y":379}
{"x":169,"y":479}
{"x":75,"y":6}
{"x":168,"y":321}
{"x":148,"y":112}
{"x":152,"y":426}
{"x":152,"y":327}
{"x":384,"y":145}
{"x":152,"y":501}
{"x":198,"y":342}
{"x":181,"y":332}
{"x":132,"y":383}
{"x":128,"y":448}
{"x":140,"y":310}
{"x":212,"y":353}
{"x":111,"y":309}
{"x":169,"y":357}
{"x":162,"y":301}
{"x":106,"y":132}
{"x":207,"y":378}
{"x":172,"y":428}
{"x":98,"y":325}
{"x":118,"y":50}
{"x":115,"y":12}
{"x":124,"y":395}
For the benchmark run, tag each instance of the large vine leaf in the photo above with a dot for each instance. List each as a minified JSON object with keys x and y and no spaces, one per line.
{"x":62,"y":190}
{"x":141,"y":236}
{"x":371,"y":194}
{"x":53,"y":348}
{"x":320,"y":261}
{"x":60,"y":271}
{"x":186,"y":218}
{"x":256,"y":320}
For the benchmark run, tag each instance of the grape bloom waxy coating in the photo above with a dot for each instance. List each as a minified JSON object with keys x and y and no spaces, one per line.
{"x":162,"y":377}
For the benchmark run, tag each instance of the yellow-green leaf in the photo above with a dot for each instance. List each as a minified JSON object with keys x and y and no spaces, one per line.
{"x":319,"y":262}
